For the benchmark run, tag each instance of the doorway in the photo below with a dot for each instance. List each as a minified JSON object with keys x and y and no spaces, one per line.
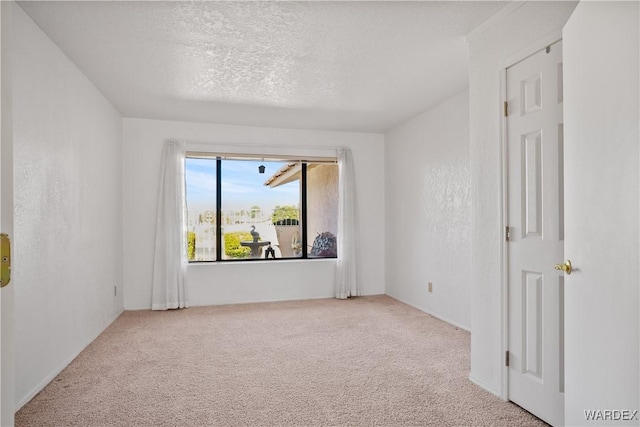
{"x":535,"y":234}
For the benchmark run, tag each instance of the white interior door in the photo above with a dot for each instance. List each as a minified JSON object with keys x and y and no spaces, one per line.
{"x":1,"y":346}
{"x":7,"y":401}
{"x":602,"y":160}
{"x":536,"y":235}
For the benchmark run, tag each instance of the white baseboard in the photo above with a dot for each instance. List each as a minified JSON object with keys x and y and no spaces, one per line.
{"x":148,"y":307}
{"x":436,"y":315}
{"x":488,"y":387}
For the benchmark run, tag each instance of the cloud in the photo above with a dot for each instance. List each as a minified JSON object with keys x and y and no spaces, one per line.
{"x":237,"y":188}
{"x":242,"y":185}
{"x":198,"y":182}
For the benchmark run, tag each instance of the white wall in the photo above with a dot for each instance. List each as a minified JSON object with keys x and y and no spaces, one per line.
{"x":514,"y":37}
{"x":68,"y":209}
{"x":602,"y":119}
{"x":223,"y":283}
{"x":428,"y":211}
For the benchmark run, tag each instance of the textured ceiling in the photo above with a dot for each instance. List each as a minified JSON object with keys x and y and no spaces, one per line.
{"x":361,"y":66}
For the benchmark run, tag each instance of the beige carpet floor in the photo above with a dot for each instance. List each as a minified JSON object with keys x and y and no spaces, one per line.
{"x":367,"y":361}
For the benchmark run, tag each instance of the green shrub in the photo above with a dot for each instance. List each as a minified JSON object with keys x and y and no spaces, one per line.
{"x":191,"y":245}
{"x":232,"y":246}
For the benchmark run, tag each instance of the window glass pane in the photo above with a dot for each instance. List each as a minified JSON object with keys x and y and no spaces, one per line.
{"x":200,"y":176}
{"x":322,"y":209}
{"x":260,"y":220}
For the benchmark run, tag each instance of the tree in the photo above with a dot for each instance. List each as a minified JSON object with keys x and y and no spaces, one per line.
{"x":281,"y":213}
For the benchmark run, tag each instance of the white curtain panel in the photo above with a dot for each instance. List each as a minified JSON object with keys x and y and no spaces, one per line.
{"x":346,"y":278}
{"x":170,"y":259}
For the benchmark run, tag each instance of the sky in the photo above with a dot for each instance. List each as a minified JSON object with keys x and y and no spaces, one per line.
{"x":242,"y":186}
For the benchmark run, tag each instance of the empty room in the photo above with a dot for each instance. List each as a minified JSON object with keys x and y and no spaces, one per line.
{"x":319,"y":213}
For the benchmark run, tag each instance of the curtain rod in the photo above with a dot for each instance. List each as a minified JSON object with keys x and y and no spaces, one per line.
{"x":262,"y":157}
{"x":267,"y":146}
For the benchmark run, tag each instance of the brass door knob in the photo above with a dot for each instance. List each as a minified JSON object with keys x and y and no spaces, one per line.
{"x":566,"y":267}
{"x":5,"y":260}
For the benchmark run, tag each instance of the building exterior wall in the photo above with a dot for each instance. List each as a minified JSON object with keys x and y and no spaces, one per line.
{"x":322,"y":201}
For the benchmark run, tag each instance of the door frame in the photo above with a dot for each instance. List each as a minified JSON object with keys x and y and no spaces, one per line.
{"x":520,"y":55}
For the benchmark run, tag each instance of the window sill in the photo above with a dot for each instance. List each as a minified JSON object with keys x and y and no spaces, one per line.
{"x":261,"y":261}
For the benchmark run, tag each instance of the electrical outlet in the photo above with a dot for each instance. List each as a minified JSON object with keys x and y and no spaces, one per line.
{"x":430,"y":287}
